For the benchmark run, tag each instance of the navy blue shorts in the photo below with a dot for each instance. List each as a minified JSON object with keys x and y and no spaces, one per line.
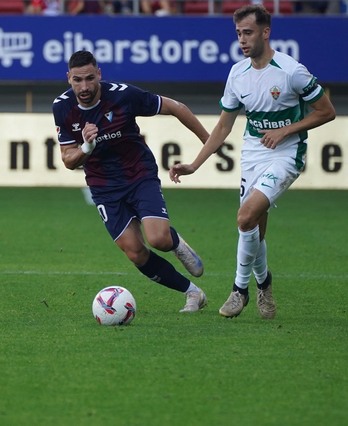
{"x":145,"y":200}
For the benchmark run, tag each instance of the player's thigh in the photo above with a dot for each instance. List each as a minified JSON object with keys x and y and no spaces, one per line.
{"x":150,"y":205}
{"x":132,"y":243}
{"x":131,"y":239}
{"x":148,"y":201}
{"x":116,"y":215}
{"x":157,"y":232}
{"x":272,"y":180}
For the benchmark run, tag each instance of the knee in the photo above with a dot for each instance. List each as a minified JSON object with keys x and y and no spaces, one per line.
{"x":245,"y":220}
{"x":160,"y":241}
{"x":136,"y":254}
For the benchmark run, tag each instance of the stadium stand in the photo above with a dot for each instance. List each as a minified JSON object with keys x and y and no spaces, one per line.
{"x":229,"y":7}
{"x":10,"y":7}
{"x":199,"y":7}
{"x":191,"y":7}
{"x":194,"y":7}
{"x":285,"y":7}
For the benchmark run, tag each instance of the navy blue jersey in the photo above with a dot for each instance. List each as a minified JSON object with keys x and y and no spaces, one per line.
{"x":121,"y":156}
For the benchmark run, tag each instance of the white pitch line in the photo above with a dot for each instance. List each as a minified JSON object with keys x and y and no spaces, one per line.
{"x":338,"y":276}
{"x":60,"y":273}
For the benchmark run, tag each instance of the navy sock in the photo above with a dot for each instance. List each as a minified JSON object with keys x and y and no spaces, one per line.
{"x":266,"y":283}
{"x":243,"y":291}
{"x":175,"y":238}
{"x":160,"y":270}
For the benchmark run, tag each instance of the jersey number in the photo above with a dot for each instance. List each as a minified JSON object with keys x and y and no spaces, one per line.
{"x":102,"y":212}
{"x":242,"y":188}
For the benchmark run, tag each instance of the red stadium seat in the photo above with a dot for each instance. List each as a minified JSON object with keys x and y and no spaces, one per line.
{"x":195,"y":7}
{"x":229,"y":7}
{"x":285,"y":7}
{"x":11,"y":7}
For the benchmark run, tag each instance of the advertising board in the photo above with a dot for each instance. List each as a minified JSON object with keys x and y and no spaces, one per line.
{"x":167,"y":49}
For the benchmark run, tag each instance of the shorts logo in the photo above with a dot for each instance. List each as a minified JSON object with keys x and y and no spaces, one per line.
{"x":272,"y":180}
{"x":265,"y":184}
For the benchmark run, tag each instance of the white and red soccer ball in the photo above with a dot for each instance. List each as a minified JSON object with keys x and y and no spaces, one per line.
{"x":114,"y":306}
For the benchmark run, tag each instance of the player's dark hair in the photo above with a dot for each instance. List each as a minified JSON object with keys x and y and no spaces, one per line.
{"x":81,"y":58}
{"x":262,"y":16}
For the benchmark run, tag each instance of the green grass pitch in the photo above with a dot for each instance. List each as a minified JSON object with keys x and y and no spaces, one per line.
{"x":59,"y":367}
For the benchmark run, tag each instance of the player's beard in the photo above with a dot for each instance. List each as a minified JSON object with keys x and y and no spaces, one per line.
{"x":87,"y":97}
{"x":256,"y":51}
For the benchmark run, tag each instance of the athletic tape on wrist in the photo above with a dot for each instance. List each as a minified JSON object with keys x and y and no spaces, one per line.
{"x":87,"y":148}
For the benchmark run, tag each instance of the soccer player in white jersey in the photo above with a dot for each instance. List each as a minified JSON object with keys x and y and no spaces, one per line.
{"x":273,"y":88}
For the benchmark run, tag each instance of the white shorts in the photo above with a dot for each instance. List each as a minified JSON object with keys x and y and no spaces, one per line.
{"x":272,"y":179}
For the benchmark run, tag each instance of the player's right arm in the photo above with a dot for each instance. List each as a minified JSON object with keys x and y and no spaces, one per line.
{"x":74,"y":155}
{"x":216,"y":139}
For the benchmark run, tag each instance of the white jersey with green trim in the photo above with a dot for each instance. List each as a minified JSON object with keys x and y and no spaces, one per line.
{"x":273,"y":97}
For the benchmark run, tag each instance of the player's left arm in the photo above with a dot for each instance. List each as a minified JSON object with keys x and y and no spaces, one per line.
{"x":322,"y":112}
{"x":183,"y":113}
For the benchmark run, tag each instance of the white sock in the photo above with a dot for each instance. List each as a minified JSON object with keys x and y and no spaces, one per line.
{"x":260,"y":265}
{"x":192,"y":287}
{"x":248,"y":246}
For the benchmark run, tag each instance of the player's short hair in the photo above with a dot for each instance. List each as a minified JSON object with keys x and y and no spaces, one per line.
{"x":262,"y":16}
{"x":81,"y":58}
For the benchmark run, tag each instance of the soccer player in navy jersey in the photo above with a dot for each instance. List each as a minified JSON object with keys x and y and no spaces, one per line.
{"x":97,"y":129}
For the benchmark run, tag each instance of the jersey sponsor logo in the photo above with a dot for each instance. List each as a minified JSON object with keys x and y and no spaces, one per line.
{"x":266,"y":124}
{"x":109,"y":136}
{"x":244,"y":96}
{"x":275,"y":92}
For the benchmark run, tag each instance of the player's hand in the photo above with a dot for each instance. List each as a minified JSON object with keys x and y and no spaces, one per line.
{"x":89,"y":133}
{"x":178,"y":170}
{"x":272,"y":138}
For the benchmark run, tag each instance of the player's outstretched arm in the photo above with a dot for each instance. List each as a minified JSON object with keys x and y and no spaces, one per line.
{"x":215,"y":140}
{"x":183,"y":113}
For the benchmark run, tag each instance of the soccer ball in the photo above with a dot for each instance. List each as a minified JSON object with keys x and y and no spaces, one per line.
{"x":114,"y":306}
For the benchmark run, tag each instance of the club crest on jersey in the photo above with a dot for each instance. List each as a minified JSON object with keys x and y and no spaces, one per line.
{"x":275,"y":92}
{"x":109,"y":116}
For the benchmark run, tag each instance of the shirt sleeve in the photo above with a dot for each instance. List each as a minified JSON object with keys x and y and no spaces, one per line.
{"x":64,"y":137}
{"x":306,"y":85}
{"x":229,"y":101}
{"x":145,"y":103}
